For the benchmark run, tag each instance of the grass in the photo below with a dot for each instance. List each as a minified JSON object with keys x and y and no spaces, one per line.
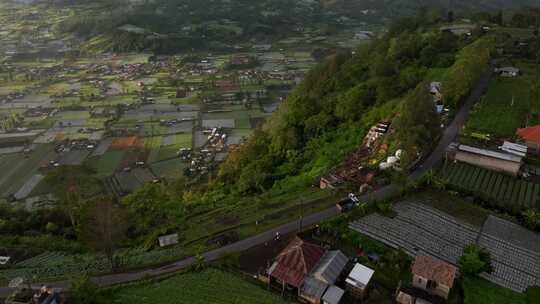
{"x":208,"y":286}
{"x":454,"y":206}
{"x":481,"y":291}
{"x":503,"y":109}
{"x":106,"y":164}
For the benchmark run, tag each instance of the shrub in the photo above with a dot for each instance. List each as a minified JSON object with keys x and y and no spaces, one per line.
{"x":84,"y":291}
{"x":474,"y":260}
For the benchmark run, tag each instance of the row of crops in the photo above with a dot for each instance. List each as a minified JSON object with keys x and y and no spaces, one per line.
{"x":505,"y":191}
{"x":57,"y":265}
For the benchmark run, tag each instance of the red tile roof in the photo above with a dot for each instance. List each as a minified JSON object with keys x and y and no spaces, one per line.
{"x":434,"y":270}
{"x":530,"y":134}
{"x":296,"y":261}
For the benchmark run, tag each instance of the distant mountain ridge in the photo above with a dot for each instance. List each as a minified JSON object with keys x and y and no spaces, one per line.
{"x":395,"y":8}
{"x":220,"y":24}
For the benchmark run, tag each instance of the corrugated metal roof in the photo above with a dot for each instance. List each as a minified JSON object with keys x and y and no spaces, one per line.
{"x":330,"y":266}
{"x":489,"y":153}
{"x":333,"y":295}
{"x":296,"y":261}
{"x":313,"y":288}
{"x":514,"y":146}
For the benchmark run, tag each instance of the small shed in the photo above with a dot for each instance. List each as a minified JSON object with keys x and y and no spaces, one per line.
{"x":508,"y":71}
{"x":358,"y":280}
{"x":168,"y":240}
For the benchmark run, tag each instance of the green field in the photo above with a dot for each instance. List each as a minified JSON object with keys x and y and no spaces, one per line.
{"x":169,"y":169}
{"x":106,"y":164}
{"x":481,"y":291}
{"x":210,"y":286}
{"x":505,"y":191}
{"x":504,"y":108}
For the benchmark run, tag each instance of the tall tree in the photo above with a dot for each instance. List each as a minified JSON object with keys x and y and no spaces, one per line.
{"x":72,"y":185}
{"x":418,"y":123}
{"x":104,"y":226}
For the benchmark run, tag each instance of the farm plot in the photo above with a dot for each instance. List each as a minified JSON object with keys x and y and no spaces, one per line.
{"x":165,"y":147}
{"x":102,"y":147}
{"x":73,"y":158}
{"x":241,"y":118}
{"x":209,"y":286}
{"x":125,"y":182}
{"x":169,"y":169}
{"x":125,"y":143}
{"x":30,"y":101}
{"x":27,"y":188}
{"x":507,"y":192}
{"x":18,"y":168}
{"x":106,"y":164}
{"x":53,"y":265}
{"x":505,"y":108}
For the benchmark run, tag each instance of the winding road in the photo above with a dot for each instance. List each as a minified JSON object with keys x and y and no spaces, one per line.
{"x":448,"y":136}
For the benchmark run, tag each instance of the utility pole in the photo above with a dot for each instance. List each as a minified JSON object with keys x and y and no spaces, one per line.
{"x":301,"y":215}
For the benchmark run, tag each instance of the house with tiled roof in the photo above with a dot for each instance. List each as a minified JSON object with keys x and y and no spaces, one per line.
{"x":433,"y":276}
{"x":531,"y":136}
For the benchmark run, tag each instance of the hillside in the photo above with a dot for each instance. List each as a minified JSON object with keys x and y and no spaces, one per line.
{"x":327,"y":116}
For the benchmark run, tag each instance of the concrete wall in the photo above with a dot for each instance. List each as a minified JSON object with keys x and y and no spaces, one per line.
{"x":440,"y":290}
{"x":489,"y":163}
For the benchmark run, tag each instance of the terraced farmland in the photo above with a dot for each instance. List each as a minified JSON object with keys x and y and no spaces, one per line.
{"x":506,"y":191}
{"x":55,"y":265}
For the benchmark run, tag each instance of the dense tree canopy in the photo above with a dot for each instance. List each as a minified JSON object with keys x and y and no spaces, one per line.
{"x":332,"y":109}
{"x":417,"y":124}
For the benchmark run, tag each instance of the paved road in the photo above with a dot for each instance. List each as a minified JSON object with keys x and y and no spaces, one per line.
{"x":435,"y":157}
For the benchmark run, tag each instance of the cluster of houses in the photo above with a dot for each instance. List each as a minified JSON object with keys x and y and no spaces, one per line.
{"x":317,"y":275}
